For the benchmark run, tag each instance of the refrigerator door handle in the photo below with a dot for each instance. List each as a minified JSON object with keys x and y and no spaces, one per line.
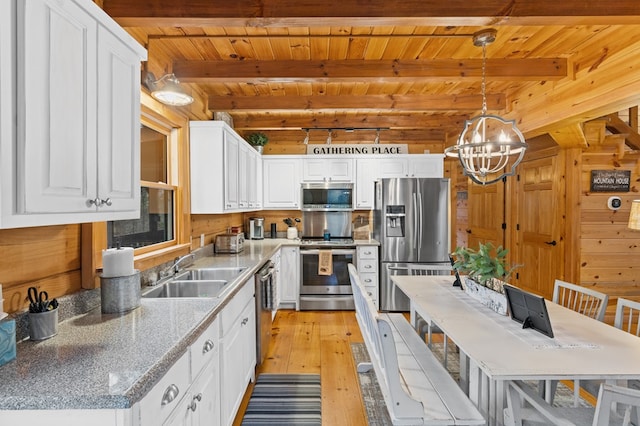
{"x":415,"y":220}
{"x":397,"y":268}
{"x":420,"y":206}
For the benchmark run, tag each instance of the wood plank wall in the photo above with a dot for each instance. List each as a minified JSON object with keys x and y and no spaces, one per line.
{"x":45,"y":257}
{"x":609,"y":251}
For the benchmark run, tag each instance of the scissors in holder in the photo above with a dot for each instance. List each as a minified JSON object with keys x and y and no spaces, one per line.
{"x":39,"y":300}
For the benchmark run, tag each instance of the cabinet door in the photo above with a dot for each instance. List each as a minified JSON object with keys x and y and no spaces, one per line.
{"x":244,"y":172}
{"x":231,"y":157}
{"x":205,"y":397}
{"x":290,"y":275}
{"x":426,"y":166}
{"x":393,"y":167}
{"x":366,"y":174}
{"x":118,"y":126}
{"x":238,"y":361}
{"x":281,"y":183}
{"x":341,"y":169}
{"x":255,"y":180}
{"x":326,"y":169}
{"x":57,"y":72}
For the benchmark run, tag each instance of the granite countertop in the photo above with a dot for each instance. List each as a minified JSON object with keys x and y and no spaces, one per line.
{"x":112,"y":360}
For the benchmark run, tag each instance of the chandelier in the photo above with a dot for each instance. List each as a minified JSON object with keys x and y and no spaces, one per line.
{"x":488,"y":142}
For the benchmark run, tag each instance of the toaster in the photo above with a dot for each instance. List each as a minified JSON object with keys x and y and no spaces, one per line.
{"x":229,"y":243}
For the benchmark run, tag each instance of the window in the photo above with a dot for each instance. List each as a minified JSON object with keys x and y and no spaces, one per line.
{"x":156,"y":224}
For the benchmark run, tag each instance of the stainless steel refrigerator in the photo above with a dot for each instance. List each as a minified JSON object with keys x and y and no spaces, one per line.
{"x":411,"y":221}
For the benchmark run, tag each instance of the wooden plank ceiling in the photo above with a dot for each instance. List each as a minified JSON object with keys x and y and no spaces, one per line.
{"x":409,"y":68}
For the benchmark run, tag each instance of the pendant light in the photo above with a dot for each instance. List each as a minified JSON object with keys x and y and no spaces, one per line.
{"x":170,"y":93}
{"x":488,"y":142}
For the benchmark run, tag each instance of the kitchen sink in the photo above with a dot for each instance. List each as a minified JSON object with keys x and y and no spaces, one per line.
{"x":191,"y":288}
{"x":222,"y":273}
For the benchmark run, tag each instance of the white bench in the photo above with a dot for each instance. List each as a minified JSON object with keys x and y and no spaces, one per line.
{"x":416,"y":387}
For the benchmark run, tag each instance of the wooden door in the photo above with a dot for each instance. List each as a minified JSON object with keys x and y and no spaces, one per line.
{"x":486,"y":214}
{"x":539,"y":215}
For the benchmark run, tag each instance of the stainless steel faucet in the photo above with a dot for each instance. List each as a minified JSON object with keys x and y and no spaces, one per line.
{"x":175,"y":267}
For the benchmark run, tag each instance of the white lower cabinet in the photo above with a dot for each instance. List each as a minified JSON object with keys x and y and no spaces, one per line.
{"x":189,"y":392}
{"x":289,"y":278}
{"x":201,"y":404}
{"x":165,"y":396}
{"x":368,"y":270}
{"x":238,"y":351}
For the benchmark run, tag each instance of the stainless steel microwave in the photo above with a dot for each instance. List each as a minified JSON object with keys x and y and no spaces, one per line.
{"x":327,"y":196}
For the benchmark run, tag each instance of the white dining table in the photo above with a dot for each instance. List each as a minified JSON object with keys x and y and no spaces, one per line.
{"x":495,"y":349}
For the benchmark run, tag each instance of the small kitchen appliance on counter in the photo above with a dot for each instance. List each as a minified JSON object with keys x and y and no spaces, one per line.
{"x":256,"y":228}
{"x":229,"y":243}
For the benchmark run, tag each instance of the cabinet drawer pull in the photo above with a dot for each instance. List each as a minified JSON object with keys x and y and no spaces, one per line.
{"x":367,"y":266}
{"x":170,"y":394}
{"x":208,"y":345}
{"x":368,"y":280}
{"x":194,"y":402}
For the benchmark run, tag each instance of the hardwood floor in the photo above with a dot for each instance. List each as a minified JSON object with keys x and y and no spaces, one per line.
{"x":318,"y":342}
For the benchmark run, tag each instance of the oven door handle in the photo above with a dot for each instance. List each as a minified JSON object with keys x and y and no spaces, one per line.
{"x":333,"y":251}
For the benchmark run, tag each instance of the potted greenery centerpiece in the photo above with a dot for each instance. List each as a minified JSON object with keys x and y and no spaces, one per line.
{"x":486,"y":269}
{"x":258,"y":140}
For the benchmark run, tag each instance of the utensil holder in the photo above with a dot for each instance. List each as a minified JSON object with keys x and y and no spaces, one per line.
{"x":43,"y":325}
{"x":292,"y":233}
{"x":120,"y":294}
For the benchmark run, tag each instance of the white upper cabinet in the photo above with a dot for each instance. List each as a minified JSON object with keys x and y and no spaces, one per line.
{"x":282,"y":175}
{"x":225,"y":170}
{"x":76,"y":145}
{"x":327,"y":169}
{"x":368,"y":170}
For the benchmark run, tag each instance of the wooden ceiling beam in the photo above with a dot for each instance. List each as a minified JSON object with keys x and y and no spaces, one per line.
{"x":378,"y":70}
{"x":324,"y":121}
{"x":361,"y":102}
{"x":290,"y":13}
{"x":616,"y":125}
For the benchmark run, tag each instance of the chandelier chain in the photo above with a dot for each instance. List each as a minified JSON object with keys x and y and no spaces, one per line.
{"x":484,"y":79}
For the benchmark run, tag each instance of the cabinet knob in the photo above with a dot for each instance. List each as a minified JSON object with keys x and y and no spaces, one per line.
{"x":99,"y":202}
{"x":194,"y":402}
{"x":368,"y":280}
{"x":245,"y":321}
{"x":367,"y":266}
{"x":208,"y":345}
{"x":95,"y":202}
{"x":170,"y":394}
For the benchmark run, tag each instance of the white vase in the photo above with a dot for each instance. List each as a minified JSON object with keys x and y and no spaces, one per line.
{"x":492,"y":299}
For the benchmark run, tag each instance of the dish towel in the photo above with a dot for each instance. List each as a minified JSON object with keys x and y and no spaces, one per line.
{"x":325,"y":262}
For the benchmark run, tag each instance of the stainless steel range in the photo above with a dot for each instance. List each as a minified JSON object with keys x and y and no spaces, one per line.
{"x":326,"y":237}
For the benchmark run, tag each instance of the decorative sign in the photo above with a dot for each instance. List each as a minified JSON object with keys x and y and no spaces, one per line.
{"x":353,"y":149}
{"x":610,"y":180}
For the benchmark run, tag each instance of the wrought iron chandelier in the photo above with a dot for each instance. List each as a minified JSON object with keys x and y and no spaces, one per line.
{"x":488,"y":142}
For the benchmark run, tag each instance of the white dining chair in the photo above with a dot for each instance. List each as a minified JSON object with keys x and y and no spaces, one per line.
{"x":616,"y":405}
{"x":580,"y":299}
{"x":583,"y":300}
{"x":627,"y":316}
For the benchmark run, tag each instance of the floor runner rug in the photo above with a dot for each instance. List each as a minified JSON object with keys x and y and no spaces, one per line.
{"x":285,"y":399}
